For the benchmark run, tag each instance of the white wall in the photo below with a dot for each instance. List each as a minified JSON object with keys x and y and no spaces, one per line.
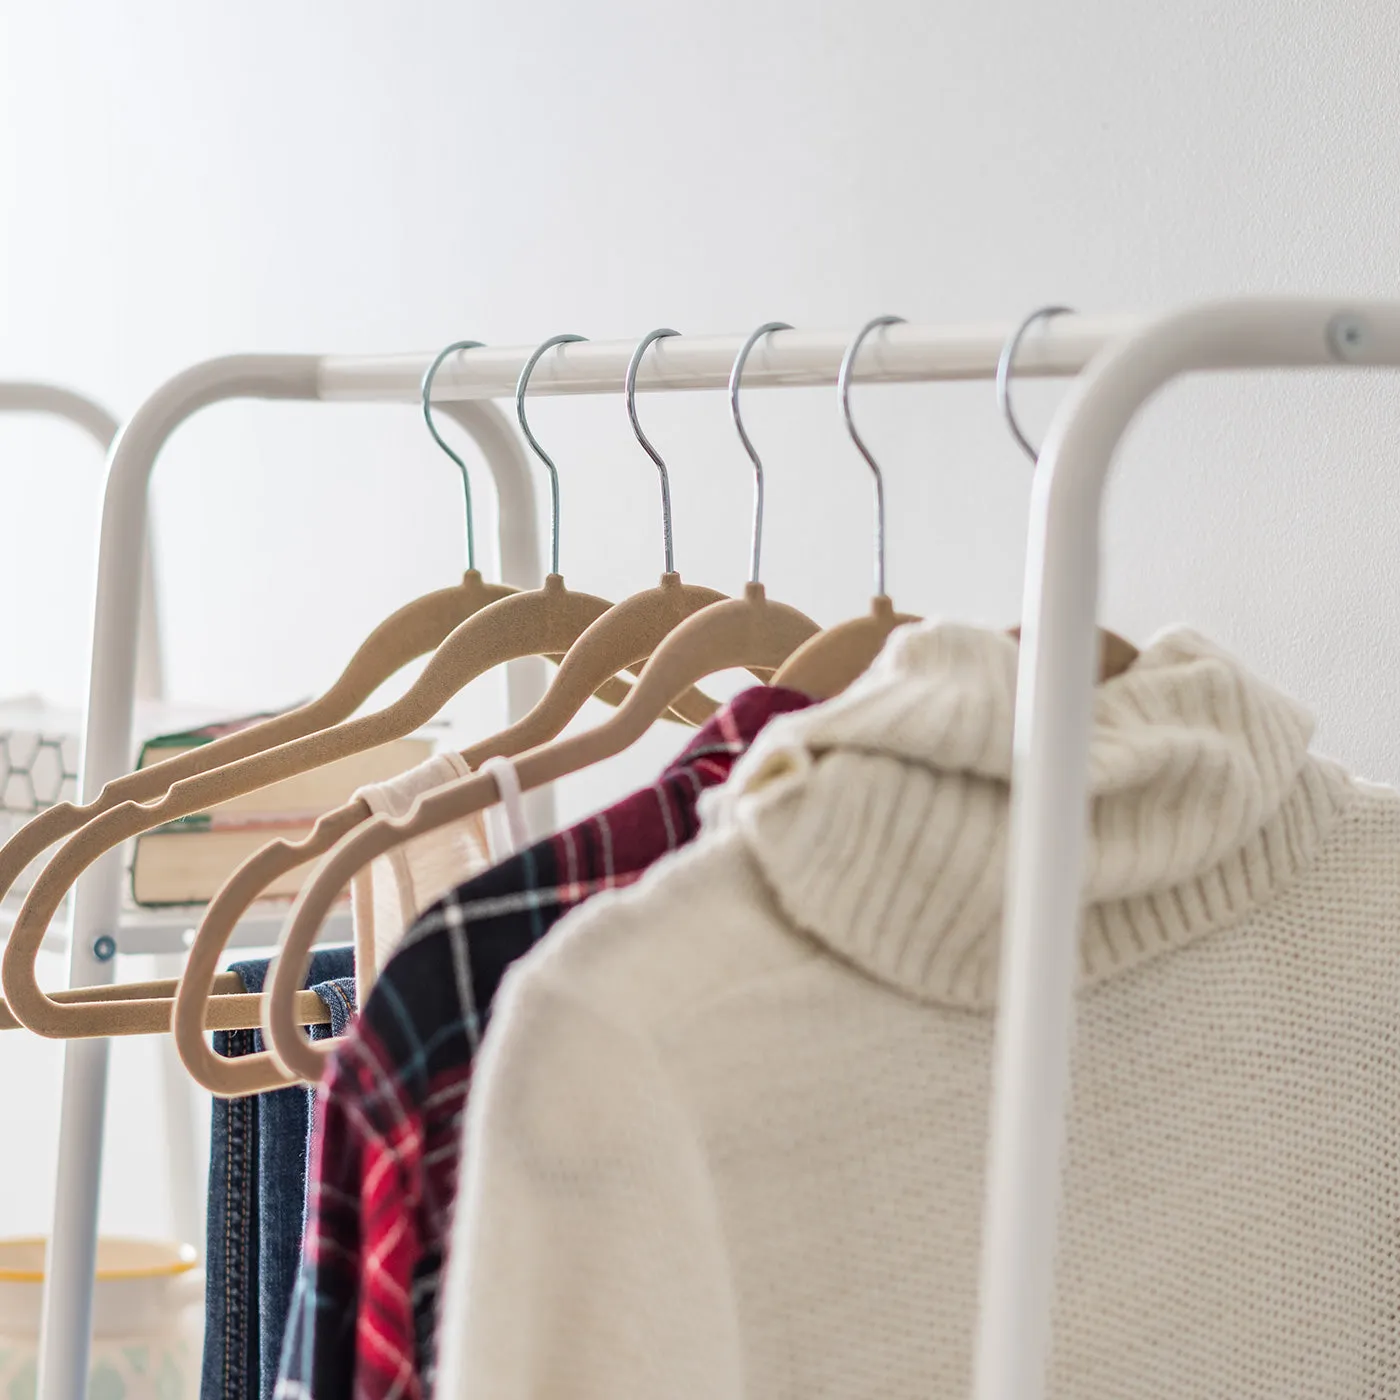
{"x":176,"y":183}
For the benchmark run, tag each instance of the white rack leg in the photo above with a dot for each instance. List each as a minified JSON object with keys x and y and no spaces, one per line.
{"x":66,"y":1328}
{"x":66,"y":1336}
{"x":1055,"y":684}
{"x":150,"y":666}
{"x":82,"y":1073}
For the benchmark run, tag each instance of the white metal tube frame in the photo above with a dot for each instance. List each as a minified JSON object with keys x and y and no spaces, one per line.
{"x":56,"y":402}
{"x":68,"y":1288}
{"x":98,"y":424}
{"x":1054,"y":698}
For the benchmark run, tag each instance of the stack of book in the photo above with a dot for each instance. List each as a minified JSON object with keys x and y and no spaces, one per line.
{"x":186,"y":861}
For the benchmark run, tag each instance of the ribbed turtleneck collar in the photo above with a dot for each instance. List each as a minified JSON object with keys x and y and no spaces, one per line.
{"x":879,"y":818}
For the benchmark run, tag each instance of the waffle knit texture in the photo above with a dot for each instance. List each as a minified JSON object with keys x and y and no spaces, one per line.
{"x":728,"y":1131}
{"x":392,"y":891}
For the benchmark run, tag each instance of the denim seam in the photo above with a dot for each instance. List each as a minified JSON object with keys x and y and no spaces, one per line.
{"x":228,"y":1246}
{"x":238,"y":1233}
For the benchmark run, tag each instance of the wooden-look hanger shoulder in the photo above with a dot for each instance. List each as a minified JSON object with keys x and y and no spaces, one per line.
{"x":826,"y":665}
{"x":1116,"y":654}
{"x":750,"y":632}
{"x":622,"y":639}
{"x":232,"y":1009}
{"x":545,"y":620}
{"x":411,"y":632}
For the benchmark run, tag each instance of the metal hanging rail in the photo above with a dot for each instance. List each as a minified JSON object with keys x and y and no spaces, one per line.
{"x":900,"y":354}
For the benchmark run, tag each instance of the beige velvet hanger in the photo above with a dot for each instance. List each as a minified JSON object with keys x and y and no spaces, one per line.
{"x":644,"y":626}
{"x":545,"y":621}
{"x":624,"y":636}
{"x":1116,"y":653}
{"x":749,"y":632}
{"x":639,"y":629}
{"x":745,"y":632}
{"x":409,"y":633}
{"x":827,"y":664}
{"x":230,"y":1011}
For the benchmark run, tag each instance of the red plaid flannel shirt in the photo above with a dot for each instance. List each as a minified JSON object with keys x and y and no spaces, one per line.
{"x":384,"y":1158}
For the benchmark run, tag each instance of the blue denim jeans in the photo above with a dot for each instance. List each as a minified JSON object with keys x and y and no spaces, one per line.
{"x":257,"y":1200}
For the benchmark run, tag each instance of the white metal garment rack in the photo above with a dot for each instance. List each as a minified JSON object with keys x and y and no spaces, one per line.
{"x":1130,"y":359}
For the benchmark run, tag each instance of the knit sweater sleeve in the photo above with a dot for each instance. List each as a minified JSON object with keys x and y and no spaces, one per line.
{"x":587,"y":1258}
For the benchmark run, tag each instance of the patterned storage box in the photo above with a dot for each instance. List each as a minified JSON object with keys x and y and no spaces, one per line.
{"x":38,"y":765}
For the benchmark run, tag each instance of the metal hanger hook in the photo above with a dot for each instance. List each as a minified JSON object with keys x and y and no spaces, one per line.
{"x":735,"y":376}
{"x":1004,"y":364}
{"x":521,"y":385}
{"x":427,"y":392}
{"x":843,"y":393}
{"x":630,"y":391}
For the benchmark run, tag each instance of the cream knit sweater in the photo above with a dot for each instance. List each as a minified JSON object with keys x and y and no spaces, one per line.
{"x":727,"y":1138}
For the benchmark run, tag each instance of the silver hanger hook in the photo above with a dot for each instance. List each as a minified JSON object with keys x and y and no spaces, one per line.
{"x":735,"y":376}
{"x":843,"y":393}
{"x":1004,"y":364}
{"x":521,"y":385}
{"x":427,"y":392}
{"x":630,"y":390}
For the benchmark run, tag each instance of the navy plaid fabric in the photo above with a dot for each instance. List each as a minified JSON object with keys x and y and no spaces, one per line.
{"x":388,"y":1138}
